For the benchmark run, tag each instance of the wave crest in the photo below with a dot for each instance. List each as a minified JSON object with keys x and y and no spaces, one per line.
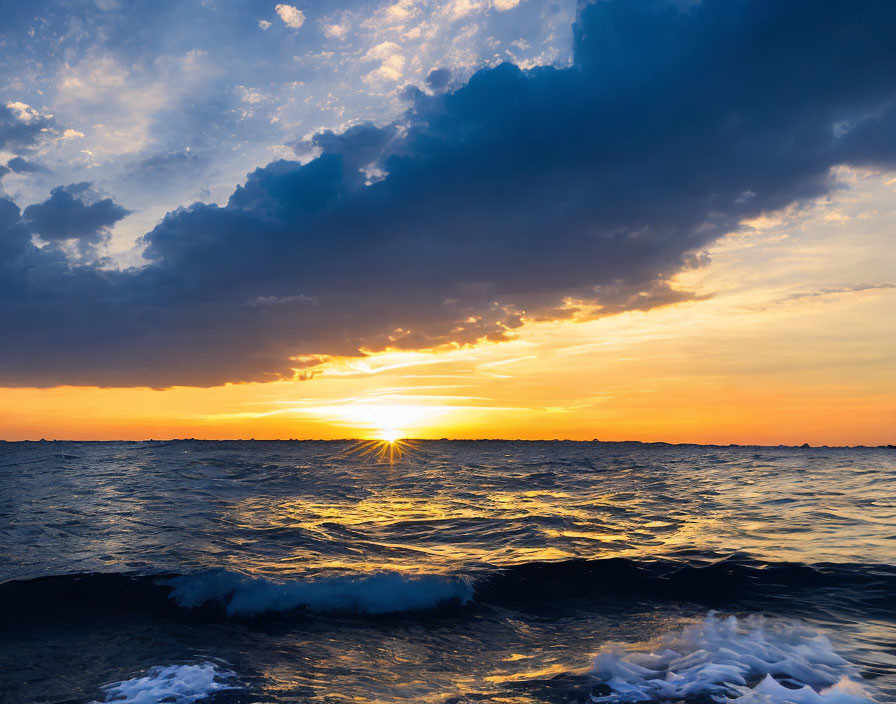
{"x":722,"y":584}
{"x":381,"y":593}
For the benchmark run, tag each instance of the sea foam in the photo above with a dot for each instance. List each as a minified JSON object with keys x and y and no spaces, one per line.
{"x":755,"y":661}
{"x":174,"y":684}
{"x":381,"y":593}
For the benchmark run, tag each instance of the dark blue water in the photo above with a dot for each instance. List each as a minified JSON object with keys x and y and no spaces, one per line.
{"x":459,"y":572}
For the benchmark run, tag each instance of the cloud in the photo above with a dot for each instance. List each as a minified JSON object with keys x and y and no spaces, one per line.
{"x":504,"y":5}
{"x":335,"y":30}
{"x":513,"y":197}
{"x":438,"y":78}
{"x":264,"y":24}
{"x":401,"y":11}
{"x":168,"y":168}
{"x":462,"y":8}
{"x":837,"y":291}
{"x":23,"y":112}
{"x":71,"y":213}
{"x":15,"y":238}
{"x":170,"y":162}
{"x":23,"y":166}
{"x":21,"y":126}
{"x":291,"y":16}
{"x":392,"y":61}
{"x":383,"y":51}
{"x":137,"y":107}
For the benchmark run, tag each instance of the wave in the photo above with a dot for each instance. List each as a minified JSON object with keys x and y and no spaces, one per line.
{"x":176,"y":684}
{"x":737,"y":580}
{"x":755,"y":661}
{"x":712,"y":582}
{"x":381,"y":593}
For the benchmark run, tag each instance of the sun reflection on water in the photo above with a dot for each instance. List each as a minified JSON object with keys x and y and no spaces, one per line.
{"x":390,"y":448}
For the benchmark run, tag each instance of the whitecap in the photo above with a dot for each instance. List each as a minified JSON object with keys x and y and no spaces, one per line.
{"x":174,"y":684}
{"x":754,"y":661}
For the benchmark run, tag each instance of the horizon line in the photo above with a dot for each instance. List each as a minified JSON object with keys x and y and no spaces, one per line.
{"x":803,"y":446}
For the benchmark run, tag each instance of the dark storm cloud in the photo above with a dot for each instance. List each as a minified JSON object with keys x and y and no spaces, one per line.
{"x":14,"y":236}
{"x":510,"y":194}
{"x":438,"y":78}
{"x":70,"y":213}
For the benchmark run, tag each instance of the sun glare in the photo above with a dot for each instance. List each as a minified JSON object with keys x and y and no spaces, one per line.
{"x":383,"y":420}
{"x":390,"y":435}
{"x":385,"y":424}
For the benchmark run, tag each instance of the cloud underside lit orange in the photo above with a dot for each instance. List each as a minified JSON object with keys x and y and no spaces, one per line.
{"x":668,"y":375}
{"x":793,"y":346}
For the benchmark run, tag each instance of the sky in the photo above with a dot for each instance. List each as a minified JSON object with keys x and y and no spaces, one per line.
{"x":616,"y":220}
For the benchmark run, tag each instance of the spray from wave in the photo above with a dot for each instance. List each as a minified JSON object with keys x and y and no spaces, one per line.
{"x":754,"y":661}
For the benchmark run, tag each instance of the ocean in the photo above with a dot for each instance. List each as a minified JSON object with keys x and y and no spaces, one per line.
{"x":449,"y":572}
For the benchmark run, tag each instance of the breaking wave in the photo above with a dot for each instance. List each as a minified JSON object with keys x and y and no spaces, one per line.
{"x":720,"y":583}
{"x":755,"y":661}
{"x":382,"y":593}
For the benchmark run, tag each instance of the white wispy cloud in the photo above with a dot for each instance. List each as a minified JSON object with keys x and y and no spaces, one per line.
{"x":335,"y":30}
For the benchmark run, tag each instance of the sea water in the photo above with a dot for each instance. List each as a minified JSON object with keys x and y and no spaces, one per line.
{"x":447,"y":572}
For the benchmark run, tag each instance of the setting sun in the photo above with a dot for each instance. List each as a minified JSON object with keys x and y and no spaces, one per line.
{"x":385,"y":418}
{"x":390,"y":436}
